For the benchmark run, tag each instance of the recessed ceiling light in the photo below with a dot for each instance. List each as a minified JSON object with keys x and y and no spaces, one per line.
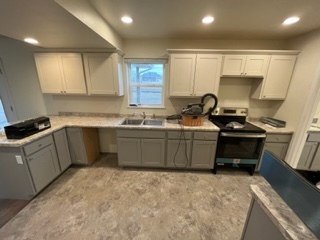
{"x":31,"y":40}
{"x":126,"y":19}
{"x":290,"y":20}
{"x":207,"y":19}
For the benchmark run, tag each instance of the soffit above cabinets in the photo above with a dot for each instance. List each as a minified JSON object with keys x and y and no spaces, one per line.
{"x":55,"y":27}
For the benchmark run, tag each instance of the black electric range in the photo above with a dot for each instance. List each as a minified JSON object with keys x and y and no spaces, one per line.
{"x":239,"y":143}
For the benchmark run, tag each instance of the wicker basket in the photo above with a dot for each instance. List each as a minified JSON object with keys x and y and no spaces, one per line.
{"x":190,"y":120}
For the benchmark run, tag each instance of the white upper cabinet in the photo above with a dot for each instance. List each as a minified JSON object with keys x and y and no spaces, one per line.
{"x":103,"y":73}
{"x":276,"y":82}
{"x":245,"y":65}
{"x":60,"y":73}
{"x":194,"y":74}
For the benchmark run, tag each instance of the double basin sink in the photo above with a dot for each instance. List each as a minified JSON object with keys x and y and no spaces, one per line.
{"x":145,"y":122}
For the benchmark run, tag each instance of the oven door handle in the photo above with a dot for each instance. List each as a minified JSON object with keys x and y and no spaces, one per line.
{"x":241,"y":135}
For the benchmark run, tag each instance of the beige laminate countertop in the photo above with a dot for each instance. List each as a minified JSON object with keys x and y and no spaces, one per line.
{"x":288,"y":223}
{"x":59,"y":122}
{"x":314,"y":130}
{"x":269,"y":128}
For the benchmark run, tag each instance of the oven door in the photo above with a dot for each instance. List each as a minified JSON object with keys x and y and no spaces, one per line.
{"x":240,"y":145}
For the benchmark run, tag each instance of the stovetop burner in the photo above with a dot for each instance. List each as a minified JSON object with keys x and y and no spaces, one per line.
{"x":223,"y":116}
{"x":248,"y":127}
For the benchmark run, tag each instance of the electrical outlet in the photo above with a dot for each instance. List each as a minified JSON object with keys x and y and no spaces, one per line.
{"x":19,"y":159}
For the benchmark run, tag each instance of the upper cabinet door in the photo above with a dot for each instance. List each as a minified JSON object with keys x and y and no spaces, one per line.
{"x":245,"y":65}
{"x":277,"y":80}
{"x":207,"y":74}
{"x":73,"y":74}
{"x":49,"y":73}
{"x":103,"y":73}
{"x":182,"y":69}
{"x":60,"y":73}
{"x":233,"y":65}
{"x":256,"y":65}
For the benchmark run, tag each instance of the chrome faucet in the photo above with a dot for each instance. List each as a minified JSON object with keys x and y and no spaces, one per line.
{"x":143,"y":114}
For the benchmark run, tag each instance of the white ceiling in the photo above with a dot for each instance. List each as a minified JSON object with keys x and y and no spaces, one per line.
{"x":54,"y":27}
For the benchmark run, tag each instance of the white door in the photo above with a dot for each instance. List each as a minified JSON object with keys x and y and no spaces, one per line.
{"x":5,"y":97}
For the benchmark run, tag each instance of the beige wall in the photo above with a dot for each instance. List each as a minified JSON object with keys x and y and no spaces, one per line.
{"x":302,"y":78}
{"x":21,"y":75}
{"x":303,"y":96}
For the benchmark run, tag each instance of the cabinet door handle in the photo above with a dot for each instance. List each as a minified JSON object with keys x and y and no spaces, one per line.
{"x":61,"y":91}
{"x":40,"y":145}
{"x":30,"y":159}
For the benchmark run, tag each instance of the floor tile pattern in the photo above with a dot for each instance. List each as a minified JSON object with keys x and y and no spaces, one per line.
{"x":105,"y":201}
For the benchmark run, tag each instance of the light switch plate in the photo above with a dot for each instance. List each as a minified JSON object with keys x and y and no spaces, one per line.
{"x":19,"y":159}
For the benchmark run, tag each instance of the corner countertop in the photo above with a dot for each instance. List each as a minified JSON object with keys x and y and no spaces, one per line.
{"x":288,"y":223}
{"x":269,"y":128}
{"x":314,"y":129}
{"x":59,"y":122}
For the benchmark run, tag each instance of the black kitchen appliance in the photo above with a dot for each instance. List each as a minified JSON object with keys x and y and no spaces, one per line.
{"x":26,"y":128}
{"x":197,"y":108}
{"x":240,"y":143}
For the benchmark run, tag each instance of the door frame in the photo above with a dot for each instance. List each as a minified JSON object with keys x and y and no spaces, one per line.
{"x":6,"y":98}
{"x":301,"y":134}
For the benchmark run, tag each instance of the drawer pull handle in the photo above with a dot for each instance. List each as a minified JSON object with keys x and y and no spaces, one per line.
{"x":40,"y":145}
{"x":30,"y":159}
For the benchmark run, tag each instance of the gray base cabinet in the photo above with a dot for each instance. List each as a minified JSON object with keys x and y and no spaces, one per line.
{"x":178,"y":153}
{"x":172,"y":149}
{"x":204,"y":149}
{"x":310,"y":156}
{"x":259,"y":225}
{"x":77,"y":150}
{"x":43,"y":162}
{"x":61,"y":142}
{"x":141,"y":148}
{"x":84,"y":145}
{"x":278,"y":144}
{"x":203,"y":154}
{"x":152,"y":152}
{"x":43,"y":166}
{"x":15,"y":178}
{"x":129,"y":152}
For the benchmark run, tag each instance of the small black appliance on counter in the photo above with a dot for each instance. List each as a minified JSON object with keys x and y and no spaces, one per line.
{"x":26,"y":128}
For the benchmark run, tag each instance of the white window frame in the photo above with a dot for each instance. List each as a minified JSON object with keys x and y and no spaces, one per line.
{"x":130,"y":61}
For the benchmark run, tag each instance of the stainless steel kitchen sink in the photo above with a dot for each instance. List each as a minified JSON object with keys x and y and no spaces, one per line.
{"x":146,"y":122}
{"x":153,"y":122}
{"x":130,"y":121}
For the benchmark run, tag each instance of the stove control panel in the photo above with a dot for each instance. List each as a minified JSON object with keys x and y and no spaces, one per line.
{"x":230,"y":111}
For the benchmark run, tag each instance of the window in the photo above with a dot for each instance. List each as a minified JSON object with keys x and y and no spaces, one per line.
{"x":146,"y":83}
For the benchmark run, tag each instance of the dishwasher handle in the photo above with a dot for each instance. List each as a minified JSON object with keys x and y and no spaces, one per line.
{"x":244,"y":135}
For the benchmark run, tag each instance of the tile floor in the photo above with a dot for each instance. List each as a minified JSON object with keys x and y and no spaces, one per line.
{"x":105,"y":201}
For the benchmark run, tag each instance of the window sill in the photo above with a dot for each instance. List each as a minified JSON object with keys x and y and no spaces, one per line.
{"x":150,"y":107}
